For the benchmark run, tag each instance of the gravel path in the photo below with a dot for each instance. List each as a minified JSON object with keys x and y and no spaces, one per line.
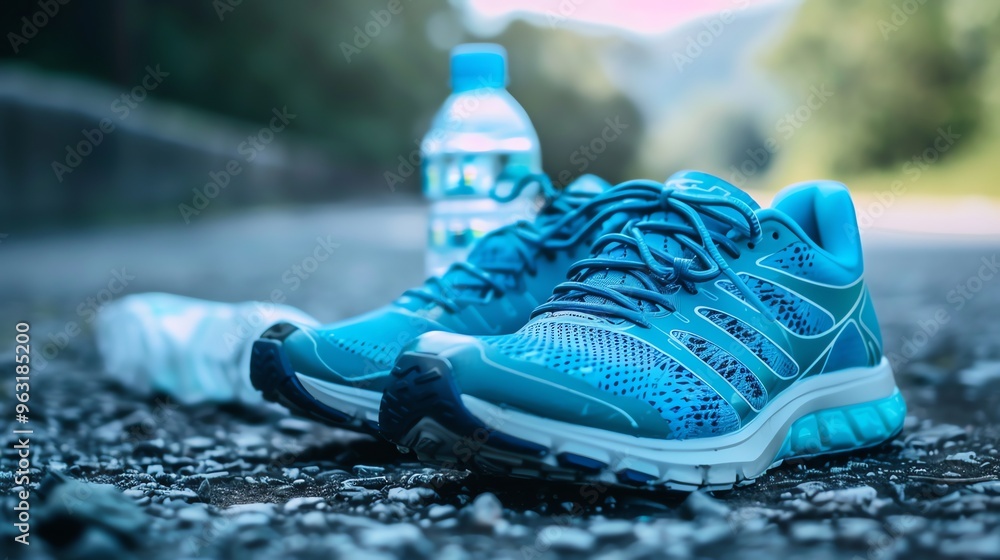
{"x":124,"y":475}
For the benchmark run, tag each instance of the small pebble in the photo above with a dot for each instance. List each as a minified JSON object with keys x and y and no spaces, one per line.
{"x":486,"y":510}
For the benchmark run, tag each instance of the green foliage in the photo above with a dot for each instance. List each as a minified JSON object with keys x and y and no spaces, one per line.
{"x":556,"y":76}
{"x":896,"y":71}
{"x":363,"y":82}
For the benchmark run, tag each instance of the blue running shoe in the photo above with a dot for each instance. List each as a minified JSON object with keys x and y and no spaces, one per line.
{"x":699,"y":346}
{"x":336,"y":373}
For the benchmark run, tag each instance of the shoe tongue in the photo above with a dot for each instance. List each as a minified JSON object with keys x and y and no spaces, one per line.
{"x":689,"y":181}
{"x":617,"y":251}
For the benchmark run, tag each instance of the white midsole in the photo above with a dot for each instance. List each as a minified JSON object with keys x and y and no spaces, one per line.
{"x":750,"y":450}
{"x":359,"y":403}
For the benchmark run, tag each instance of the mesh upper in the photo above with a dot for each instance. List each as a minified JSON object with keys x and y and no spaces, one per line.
{"x":796,"y":314}
{"x":757,"y":343}
{"x":624,"y":366}
{"x":382,"y":356}
{"x":728,"y":366}
{"x":801,"y":260}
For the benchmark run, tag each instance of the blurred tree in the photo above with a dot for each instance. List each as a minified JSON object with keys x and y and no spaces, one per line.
{"x":362,"y":78}
{"x":718,"y":133}
{"x":976,"y":26}
{"x":896,"y":75}
{"x":584,"y":123}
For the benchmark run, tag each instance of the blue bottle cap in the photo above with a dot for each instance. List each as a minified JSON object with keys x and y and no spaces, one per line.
{"x":478,"y":65}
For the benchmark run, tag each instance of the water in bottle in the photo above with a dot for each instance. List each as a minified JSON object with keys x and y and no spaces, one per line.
{"x":481,"y":143}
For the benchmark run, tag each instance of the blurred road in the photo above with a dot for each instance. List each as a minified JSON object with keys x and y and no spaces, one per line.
{"x":239,"y":483}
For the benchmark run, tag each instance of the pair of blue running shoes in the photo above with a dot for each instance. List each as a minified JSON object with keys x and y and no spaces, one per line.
{"x":646,"y":334}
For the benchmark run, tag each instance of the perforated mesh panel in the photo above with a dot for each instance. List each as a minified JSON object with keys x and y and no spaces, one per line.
{"x":381,"y":355}
{"x":727,"y":366}
{"x":624,"y":366}
{"x":795,"y":313}
{"x":757,"y":343}
{"x":801,"y":260}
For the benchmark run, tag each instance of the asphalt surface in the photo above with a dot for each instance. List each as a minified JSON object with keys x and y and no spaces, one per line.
{"x":127,"y":475}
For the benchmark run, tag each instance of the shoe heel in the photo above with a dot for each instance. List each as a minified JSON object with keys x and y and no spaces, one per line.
{"x":844,"y":428}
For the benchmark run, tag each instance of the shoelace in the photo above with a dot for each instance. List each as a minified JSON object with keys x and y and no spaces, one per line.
{"x":657,"y":271}
{"x":528,"y":241}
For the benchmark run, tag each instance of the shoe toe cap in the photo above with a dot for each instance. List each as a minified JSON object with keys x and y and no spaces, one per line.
{"x":479,"y":370}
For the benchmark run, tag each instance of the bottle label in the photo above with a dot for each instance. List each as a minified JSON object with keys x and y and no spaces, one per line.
{"x":463,"y":210}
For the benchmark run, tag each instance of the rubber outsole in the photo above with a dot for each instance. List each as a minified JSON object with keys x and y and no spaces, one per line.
{"x":272,"y":374}
{"x":423,"y":411}
{"x":423,"y":388}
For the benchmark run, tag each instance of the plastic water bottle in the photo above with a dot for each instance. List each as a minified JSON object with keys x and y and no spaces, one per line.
{"x":192,"y":350}
{"x":480,"y":144}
